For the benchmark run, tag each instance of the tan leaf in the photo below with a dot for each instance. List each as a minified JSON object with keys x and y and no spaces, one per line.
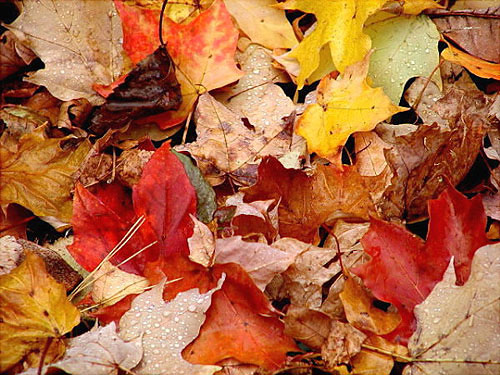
{"x":308,"y":326}
{"x":88,"y":48}
{"x":369,"y":362}
{"x":166,"y":329}
{"x":460,"y":324}
{"x":343,"y":343}
{"x":201,"y":244}
{"x":112,"y":284}
{"x":39,"y":175}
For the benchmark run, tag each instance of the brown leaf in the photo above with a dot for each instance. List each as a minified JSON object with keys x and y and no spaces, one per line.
{"x":368,"y":362}
{"x":86,"y":48}
{"x":460,"y":324}
{"x":343,"y":343}
{"x":13,"y":55}
{"x":39,"y":175}
{"x":310,"y":327}
{"x":229,"y":145}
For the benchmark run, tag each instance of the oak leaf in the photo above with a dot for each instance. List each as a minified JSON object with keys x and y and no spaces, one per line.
{"x":34,"y":310}
{"x":38,"y":175}
{"x":87,"y":47}
{"x":459,"y":325}
{"x":343,"y":107}
{"x":340,"y":25}
{"x":404,"y":269}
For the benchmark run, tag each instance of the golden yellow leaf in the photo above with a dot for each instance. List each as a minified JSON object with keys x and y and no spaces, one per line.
{"x":339,"y":24}
{"x":343,"y":107}
{"x":39,"y":175}
{"x":34,"y":309}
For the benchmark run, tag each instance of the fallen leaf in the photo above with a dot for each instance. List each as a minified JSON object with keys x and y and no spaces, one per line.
{"x":112,"y":284}
{"x":404,"y":269}
{"x":404,"y":47}
{"x":150,"y":88}
{"x":87,"y":47}
{"x":340,"y":25}
{"x":240,"y":324}
{"x":479,"y":67}
{"x":13,"y":55}
{"x":361,"y":312}
{"x":307,"y":201}
{"x":201,"y":244}
{"x":98,"y":352}
{"x":226,"y":147}
{"x":34,"y":310}
{"x":308,"y":326}
{"x":38,"y":175}
{"x":368,"y":362}
{"x":343,"y":342}
{"x":11,"y":255}
{"x":262,"y":22}
{"x":343,"y":107}
{"x":458,"y":326}
{"x":165,"y":328}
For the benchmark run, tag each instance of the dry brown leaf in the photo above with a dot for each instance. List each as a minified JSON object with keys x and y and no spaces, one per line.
{"x":369,"y":148}
{"x":201,"y":244}
{"x":166,"y":329}
{"x":310,"y":327}
{"x":343,"y":342}
{"x":369,"y":362}
{"x":10,"y":255}
{"x":88,"y":47}
{"x":460,"y":324}
{"x":13,"y":55}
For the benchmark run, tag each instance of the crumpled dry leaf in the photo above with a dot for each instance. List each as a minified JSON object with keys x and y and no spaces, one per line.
{"x":10,"y":254}
{"x":310,"y":327}
{"x":112,"y":284}
{"x":13,"y":55}
{"x":88,"y":48}
{"x":20,"y":120}
{"x":460,"y":323}
{"x":33,"y":309}
{"x":39,"y":175}
{"x":201,"y":244}
{"x":166,"y":328}
{"x":368,"y":362}
{"x":343,"y":342}
{"x":98,"y":352}
{"x":225,"y":146}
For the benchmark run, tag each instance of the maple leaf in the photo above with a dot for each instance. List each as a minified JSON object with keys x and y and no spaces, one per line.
{"x":456,"y":231}
{"x":456,"y":325}
{"x":343,"y":107}
{"x":203,"y":52}
{"x":34,"y":310}
{"x":71,"y":44}
{"x":156,"y":197}
{"x":477,"y":66}
{"x":240,"y":324}
{"x":307,"y":201}
{"x":165,"y":328}
{"x":264,"y":24}
{"x":339,"y":24}
{"x":404,"y":47}
{"x":38,"y":175}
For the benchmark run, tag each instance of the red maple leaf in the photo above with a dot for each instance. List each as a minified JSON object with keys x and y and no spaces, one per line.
{"x":404,"y":269}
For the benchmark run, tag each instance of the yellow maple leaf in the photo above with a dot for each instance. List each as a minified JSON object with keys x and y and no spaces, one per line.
{"x":339,"y":24}
{"x":34,"y":311}
{"x":343,"y":107}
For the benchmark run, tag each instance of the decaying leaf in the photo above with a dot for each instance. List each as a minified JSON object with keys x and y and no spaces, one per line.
{"x":13,"y":55}
{"x":34,"y":310}
{"x":310,"y":327}
{"x":458,"y":327}
{"x":343,"y":342}
{"x":85,"y":47}
{"x":38,"y":175}
{"x":226,"y":147}
{"x":343,"y":107}
{"x":165,"y":328}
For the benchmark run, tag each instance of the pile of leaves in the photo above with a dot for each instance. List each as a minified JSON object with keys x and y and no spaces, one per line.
{"x":271,"y":187}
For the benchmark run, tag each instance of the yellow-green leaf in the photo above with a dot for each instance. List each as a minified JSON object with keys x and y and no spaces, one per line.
{"x":34,"y":309}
